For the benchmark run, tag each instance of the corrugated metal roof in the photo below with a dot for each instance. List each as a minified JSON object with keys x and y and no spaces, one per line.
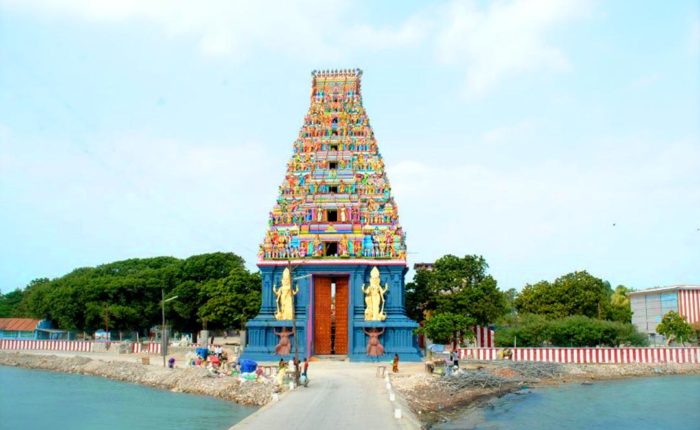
{"x":664,"y":289}
{"x":18,"y":324}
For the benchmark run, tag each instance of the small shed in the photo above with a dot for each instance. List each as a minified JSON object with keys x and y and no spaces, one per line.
{"x":22,"y":328}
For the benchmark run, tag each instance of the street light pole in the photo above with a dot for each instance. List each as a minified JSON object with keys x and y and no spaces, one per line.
{"x":162,"y":326}
{"x":163,"y":338}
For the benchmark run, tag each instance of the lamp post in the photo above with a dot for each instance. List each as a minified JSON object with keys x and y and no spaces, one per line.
{"x":163,"y":338}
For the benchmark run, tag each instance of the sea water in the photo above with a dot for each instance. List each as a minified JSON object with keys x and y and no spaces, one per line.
{"x":664,"y":402}
{"x":36,"y":399}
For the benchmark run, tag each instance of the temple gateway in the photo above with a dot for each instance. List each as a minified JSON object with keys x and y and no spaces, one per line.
{"x":333,"y":259}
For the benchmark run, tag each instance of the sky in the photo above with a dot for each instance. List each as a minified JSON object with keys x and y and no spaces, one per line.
{"x":548,"y":136}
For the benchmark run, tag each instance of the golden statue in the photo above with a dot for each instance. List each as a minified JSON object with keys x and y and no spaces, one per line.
{"x":374,"y":297}
{"x":285,"y":297}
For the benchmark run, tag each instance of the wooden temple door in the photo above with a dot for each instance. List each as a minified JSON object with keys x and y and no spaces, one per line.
{"x":331,"y":298}
{"x":322,"y":315}
{"x":342,"y":297}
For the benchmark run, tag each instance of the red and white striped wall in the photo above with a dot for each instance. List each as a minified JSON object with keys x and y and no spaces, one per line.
{"x":484,"y":337}
{"x":689,"y":305}
{"x":151,"y":348}
{"x":588,"y":355}
{"x":46,"y":345}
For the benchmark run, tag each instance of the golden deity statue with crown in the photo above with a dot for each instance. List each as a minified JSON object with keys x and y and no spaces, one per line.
{"x":374,"y":297}
{"x":285,"y":298}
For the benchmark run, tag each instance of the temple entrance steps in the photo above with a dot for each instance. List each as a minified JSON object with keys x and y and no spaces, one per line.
{"x":331,"y":357}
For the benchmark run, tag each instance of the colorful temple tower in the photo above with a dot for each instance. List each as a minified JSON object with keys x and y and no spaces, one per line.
{"x":333,"y":259}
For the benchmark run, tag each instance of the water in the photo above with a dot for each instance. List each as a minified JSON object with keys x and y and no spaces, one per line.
{"x":35,"y":399}
{"x":668,"y":403}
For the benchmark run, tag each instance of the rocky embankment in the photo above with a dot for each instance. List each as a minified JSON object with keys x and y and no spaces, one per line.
{"x":188,"y":380}
{"x":435,"y":397}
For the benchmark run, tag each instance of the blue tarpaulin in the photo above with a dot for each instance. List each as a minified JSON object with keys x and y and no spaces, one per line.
{"x":248,"y":365}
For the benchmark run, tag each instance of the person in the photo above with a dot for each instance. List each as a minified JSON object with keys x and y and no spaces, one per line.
{"x":306,"y":367}
{"x":214,"y":361}
{"x":171,"y":363}
{"x":282,"y":364}
{"x":448,"y":365}
{"x":455,"y":360}
{"x":395,"y":364}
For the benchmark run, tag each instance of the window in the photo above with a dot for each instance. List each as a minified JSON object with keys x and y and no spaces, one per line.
{"x":333,"y":165}
{"x":333,"y":189}
{"x":332,"y":215}
{"x":331,"y":249}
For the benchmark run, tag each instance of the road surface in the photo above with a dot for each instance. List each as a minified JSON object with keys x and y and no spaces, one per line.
{"x":340,"y":396}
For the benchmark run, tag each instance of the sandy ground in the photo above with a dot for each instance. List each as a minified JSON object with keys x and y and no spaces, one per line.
{"x":340,"y":395}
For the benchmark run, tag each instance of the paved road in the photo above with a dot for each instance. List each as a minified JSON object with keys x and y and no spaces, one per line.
{"x":340,"y":396}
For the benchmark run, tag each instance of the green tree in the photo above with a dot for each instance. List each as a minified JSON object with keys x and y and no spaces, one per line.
{"x":126,"y":294}
{"x":419,"y":298}
{"x":9,"y":304}
{"x":445,"y":327}
{"x":523,"y":330}
{"x":231,"y":301}
{"x":576,"y":331}
{"x":620,"y":309}
{"x":576,"y":293}
{"x":675,"y":327}
{"x":459,"y":286}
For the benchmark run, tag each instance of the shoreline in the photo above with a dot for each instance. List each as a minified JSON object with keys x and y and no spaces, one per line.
{"x":179,"y":380}
{"x":434,"y":399}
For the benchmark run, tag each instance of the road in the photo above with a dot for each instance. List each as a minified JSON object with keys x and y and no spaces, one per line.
{"x":340,"y":396}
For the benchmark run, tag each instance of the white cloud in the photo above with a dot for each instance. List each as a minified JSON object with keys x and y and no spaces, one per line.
{"x":314,"y":29}
{"x":490,"y":41}
{"x":504,"y":38}
{"x":542,"y":218}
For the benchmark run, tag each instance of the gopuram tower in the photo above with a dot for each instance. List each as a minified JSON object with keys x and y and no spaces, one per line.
{"x":333,"y":259}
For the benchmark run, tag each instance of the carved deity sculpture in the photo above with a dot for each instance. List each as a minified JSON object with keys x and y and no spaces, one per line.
{"x":374,"y":297}
{"x":285,"y":297}
{"x":284,"y":346}
{"x":374,"y":347}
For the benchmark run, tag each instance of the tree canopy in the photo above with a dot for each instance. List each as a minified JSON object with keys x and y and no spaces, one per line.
{"x":456,"y":285}
{"x":577,"y":293}
{"x":444,"y":327}
{"x":214,"y":288}
{"x":571,"y":331}
{"x":675,"y":327}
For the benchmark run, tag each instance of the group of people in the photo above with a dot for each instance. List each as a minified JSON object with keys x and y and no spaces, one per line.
{"x":293,"y":370}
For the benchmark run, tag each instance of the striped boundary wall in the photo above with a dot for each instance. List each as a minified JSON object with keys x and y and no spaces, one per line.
{"x":588,"y":355}
{"x":47,"y":345}
{"x":484,"y":337}
{"x":689,"y":304}
{"x":151,"y":348}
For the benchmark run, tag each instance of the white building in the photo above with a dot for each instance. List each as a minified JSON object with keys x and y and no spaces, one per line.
{"x":649,"y":306}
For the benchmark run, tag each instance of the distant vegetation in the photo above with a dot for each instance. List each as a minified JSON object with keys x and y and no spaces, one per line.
{"x":576,"y":309}
{"x":213,"y":289}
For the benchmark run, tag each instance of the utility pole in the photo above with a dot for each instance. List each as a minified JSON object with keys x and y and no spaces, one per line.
{"x":294,"y":323}
{"x":163,"y":337}
{"x":163,"y":345}
{"x":294,"y":320}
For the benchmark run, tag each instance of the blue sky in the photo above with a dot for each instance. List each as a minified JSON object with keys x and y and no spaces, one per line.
{"x":519,"y":130}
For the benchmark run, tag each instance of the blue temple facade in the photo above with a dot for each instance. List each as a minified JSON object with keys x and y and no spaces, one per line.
{"x":335,"y":231}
